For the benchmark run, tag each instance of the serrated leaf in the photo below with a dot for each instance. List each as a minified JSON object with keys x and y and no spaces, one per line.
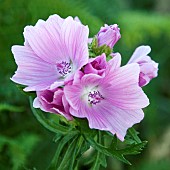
{"x":106,"y":151}
{"x":91,"y":54}
{"x":134,"y":135}
{"x":99,"y":159}
{"x":133,"y":149}
{"x":61,"y":144}
{"x":81,"y":148}
{"x":69,"y":156}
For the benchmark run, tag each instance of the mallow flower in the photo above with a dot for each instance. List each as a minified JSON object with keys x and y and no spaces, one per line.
{"x":53,"y":101}
{"x":108,"y":35}
{"x":53,"y":51}
{"x":112,"y":102}
{"x":148,"y":67}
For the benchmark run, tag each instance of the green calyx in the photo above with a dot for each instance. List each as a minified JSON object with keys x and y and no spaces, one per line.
{"x":95,"y":50}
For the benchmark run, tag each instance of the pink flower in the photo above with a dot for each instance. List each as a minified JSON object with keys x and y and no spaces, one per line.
{"x":108,"y":35}
{"x":96,"y":65}
{"x":113,"y":102}
{"x":53,"y":101}
{"x":53,"y":51}
{"x":148,"y":67}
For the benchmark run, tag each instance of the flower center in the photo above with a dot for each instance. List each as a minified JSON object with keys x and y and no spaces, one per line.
{"x":63,"y":68}
{"x":95,"y":97}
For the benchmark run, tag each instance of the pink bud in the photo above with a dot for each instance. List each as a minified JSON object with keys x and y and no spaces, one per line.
{"x":53,"y":101}
{"x":108,"y":35}
{"x":148,"y":67}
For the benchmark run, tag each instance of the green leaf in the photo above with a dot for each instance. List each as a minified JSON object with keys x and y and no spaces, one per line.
{"x":133,"y":149}
{"x":85,"y":146}
{"x":61,"y":144}
{"x":134,"y":134}
{"x":19,"y":148}
{"x":57,"y":137}
{"x":68,"y":152}
{"x":49,"y":124}
{"x":99,"y":159}
{"x":84,"y":128}
{"x":81,"y":147}
{"x":106,"y":151}
{"x":69,"y":156}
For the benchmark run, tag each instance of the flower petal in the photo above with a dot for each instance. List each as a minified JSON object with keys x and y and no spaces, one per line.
{"x":32,"y":71}
{"x":114,"y":119}
{"x":124,"y":91}
{"x":74,"y":100}
{"x":113,"y":64}
{"x":141,"y":51}
{"x":44,"y":39}
{"x":75,"y":42}
{"x":121,"y":119}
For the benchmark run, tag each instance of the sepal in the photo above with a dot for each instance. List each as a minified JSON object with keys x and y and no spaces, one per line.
{"x":95,"y":50}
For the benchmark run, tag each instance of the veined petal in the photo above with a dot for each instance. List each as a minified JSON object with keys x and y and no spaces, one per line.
{"x":120,"y":119}
{"x":45,"y":39}
{"x":117,"y":120}
{"x":73,"y":95}
{"x":124,"y":91}
{"x":32,"y":71}
{"x":36,"y":103}
{"x":91,"y":80}
{"x":75,"y":42}
{"x":141,"y":51}
{"x":113,"y":64}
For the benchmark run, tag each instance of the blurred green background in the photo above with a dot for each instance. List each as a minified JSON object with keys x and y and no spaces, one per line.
{"x":24,"y":143}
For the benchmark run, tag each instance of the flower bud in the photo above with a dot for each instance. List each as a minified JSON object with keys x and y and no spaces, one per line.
{"x":148,"y":67}
{"x":108,"y":35}
{"x":53,"y":101}
{"x":96,"y":65}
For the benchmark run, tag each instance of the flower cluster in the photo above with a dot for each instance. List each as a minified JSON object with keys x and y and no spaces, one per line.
{"x":55,"y":63}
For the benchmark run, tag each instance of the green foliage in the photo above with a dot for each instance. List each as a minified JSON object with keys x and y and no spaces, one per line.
{"x":106,"y":10}
{"x":145,"y":4}
{"x":154,"y":165}
{"x":7,"y":107}
{"x":18,"y":149}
